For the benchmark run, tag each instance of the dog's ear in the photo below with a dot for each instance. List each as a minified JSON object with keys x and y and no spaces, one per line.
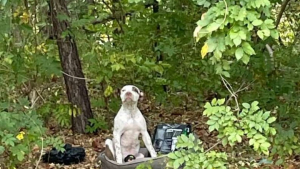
{"x":142,"y":96}
{"x":137,"y":90}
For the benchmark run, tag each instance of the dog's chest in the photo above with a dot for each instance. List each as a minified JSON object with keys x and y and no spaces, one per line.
{"x":132,"y":126}
{"x":131,"y":132}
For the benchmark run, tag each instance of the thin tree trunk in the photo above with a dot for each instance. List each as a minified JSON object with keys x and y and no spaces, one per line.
{"x":159,"y":55}
{"x":71,"y":65}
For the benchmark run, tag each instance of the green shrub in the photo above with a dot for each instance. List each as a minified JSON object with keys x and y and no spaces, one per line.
{"x":250,"y":124}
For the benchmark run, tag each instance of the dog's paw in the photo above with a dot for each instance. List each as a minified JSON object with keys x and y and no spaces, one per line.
{"x":154,"y":154}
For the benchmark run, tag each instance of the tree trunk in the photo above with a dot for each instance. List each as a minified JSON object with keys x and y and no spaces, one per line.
{"x":71,"y":65}
{"x":159,"y":55}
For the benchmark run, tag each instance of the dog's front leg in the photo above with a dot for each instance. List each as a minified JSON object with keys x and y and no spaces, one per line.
{"x":148,"y":143}
{"x":117,"y":142}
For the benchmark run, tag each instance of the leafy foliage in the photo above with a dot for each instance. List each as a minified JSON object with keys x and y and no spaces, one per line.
{"x":21,"y":130}
{"x":229,"y":26}
{"x":252,"y":123}
{"x":96,"y":124}
{"x":192,"y":155}
{"x":122,"y":42}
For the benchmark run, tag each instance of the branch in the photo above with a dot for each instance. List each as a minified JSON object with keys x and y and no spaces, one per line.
{"x":270,"y":50}
{"x":41,"y":154}
{"x":233,"y":94}
{"x":282,"y":9}
{"x":212,"y":146}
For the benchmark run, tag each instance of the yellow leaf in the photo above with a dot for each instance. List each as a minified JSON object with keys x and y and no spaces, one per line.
{"x":204,"y":50}
{"x":108,"y":91}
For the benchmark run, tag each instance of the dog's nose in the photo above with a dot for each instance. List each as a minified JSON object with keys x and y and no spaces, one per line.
{"x":128,"y":93}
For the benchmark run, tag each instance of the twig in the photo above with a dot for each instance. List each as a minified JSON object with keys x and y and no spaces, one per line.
{"x":270,"y":50}
{"x":33,"y":103}
{"x":37,"y":163}
{"x":231,"y":92}
{"x":212,"y":146}
{"x":75,"y":77}
{"x":239,"y":90}
{"x":41,"y":96}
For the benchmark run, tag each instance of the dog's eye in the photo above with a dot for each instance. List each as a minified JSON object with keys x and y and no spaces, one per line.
{"x":123,"y":90}
{"x":135,"y":89}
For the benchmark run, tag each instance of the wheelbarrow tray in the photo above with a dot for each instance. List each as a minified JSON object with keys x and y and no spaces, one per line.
{"x":155,"y":163}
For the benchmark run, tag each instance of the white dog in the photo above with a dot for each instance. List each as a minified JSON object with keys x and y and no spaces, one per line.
{"x":129,"y":123}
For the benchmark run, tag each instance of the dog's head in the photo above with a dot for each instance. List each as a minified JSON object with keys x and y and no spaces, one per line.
{"x":130,"y":93}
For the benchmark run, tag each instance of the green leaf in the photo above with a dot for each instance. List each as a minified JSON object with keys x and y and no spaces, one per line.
{"x":254,"y":103}
{"x":214,"y":102}
{"x":2,"y":149}
{"x":226,"y":74}
{"x":238,"y":138}
{"x":251,"y":15}
{"x":221,"y":101}
{"x":250,"y":27}
{"x":242,"y":34}
{"x":217,"y":54}
{"x":266,"y":32}
{"x":274,"y":34}
{"x":224,"y":141}
{"x":257,"y":22}
{"x":184,"y":138}
{"x":213,"y":117}
{"x":245,"y":59}
{"x":256,"y":146}
{"x":211,"y":43}
{"x":233,"y":34}
{"x":272,"y":131}
{"x":247,"y":48}
{"x":20,"y":156}
{"x":237,"y":41}
{"x":251,"y":142}
{"x":211,"y":128}
{"x":213,"y":26}
{"x":266,"y":115}
{"x":265,"y":145}
{"x":260,"y":34}
{"x":246,"y":105}
{"x":176,"y":164}
{"x":210,"y":122}
{"x":271,"y":120}
{"x":279,"y":162}
{"x":239,"y":52}
{"x":242,"y":14}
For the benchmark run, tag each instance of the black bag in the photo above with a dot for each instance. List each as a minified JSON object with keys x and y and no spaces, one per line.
{"x":165,"y":136}
{"x":71,"y":155}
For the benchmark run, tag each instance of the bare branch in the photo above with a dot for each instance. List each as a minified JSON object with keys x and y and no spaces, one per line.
{"x":282,"y":9}
{"x":233,"y":94}
{"x":212,"y":147}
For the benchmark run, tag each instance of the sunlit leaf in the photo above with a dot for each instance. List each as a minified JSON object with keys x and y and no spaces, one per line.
{"x":239,"y":53}
{"x":204,"y":50}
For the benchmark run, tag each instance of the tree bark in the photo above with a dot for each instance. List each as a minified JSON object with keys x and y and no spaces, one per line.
{"x":73,"y":76}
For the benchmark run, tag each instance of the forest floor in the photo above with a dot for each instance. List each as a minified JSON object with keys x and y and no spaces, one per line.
{"x":94,"y":143}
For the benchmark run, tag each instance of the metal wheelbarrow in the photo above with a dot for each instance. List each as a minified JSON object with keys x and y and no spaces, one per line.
{"x":156,"y":163}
